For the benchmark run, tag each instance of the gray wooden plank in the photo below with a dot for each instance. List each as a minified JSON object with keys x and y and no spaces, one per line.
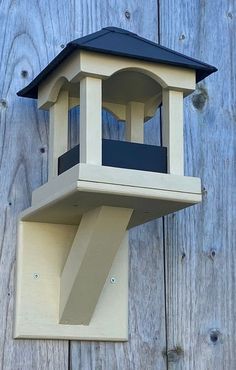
{"x":146,"y":286}
{"x":32,"y":33}
{"x":200,"y":242}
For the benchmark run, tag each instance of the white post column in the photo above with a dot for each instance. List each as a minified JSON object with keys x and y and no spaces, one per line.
{"x":172,"y":130}
{"x":58,"y":132}
{"x":135,"y":122}
{"x":91,"y":120}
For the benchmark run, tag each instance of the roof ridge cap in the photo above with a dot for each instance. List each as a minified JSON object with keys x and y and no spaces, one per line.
{"x":86,"y":37}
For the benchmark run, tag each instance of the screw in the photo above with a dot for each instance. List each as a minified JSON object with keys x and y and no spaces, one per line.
{"x":182,"y":37}
{"x":62,"y":46}
{"x":113,"y":280}
{"x":127,"y":14}
{"x":36,"y":275}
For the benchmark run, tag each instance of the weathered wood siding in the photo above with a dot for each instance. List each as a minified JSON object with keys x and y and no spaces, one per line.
{"x":182,"y":269}
{"x":201,"y":242}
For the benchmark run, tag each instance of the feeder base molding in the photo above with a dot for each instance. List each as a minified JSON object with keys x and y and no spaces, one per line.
{"x":41,"y":255}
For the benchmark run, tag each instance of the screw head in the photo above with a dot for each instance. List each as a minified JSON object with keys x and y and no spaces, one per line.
{"x":113,"y":280}
{"x":36,"y":275}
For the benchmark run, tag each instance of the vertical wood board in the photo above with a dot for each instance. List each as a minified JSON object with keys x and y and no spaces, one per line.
{"x":200,"y":241}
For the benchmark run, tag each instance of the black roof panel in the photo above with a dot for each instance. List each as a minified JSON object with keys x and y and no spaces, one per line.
{"x":116,"y":41}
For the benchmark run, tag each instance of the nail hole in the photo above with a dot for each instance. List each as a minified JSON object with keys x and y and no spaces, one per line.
{"x":213,"y":253}
{"x":42,"y":150}
{"x":182,"y":37}
{"x":183,"y":256}
{"x":9,"y":203}
{"x":3,"y":103}
{"x":204,"y":191}
{"x":62,"y":46}
{"x":214,"y":336}
{"x":24,"y":73}
{"x":113,"y":280}
{"x":127,"y":14}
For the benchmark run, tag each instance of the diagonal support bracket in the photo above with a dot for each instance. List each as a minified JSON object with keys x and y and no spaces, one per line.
{"x":89,"y":261}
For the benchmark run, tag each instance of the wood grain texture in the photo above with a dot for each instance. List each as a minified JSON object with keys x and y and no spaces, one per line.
{"x":32,"y":33}
{"x":200,"y":242}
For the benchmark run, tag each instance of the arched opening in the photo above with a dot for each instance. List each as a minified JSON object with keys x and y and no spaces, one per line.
{"x":112,"y":127}
{"x":129,"y":99}
{"x":130,"y":85}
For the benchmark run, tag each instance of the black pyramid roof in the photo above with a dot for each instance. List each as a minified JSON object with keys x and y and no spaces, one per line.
{"x":116,"y":41}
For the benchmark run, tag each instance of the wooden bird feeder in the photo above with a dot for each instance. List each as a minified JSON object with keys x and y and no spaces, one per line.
{"x":72,"y":257}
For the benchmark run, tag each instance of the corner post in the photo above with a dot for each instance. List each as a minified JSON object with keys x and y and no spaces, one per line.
{"x":58,"y":132}
{"x":172,"y":130}
{"x":91,"y":120}
{"x":135,"y":122}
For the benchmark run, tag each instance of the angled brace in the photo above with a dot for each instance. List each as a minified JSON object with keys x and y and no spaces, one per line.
{"x":89,"y":261}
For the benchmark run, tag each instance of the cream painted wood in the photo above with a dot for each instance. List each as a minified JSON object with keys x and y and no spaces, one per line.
{"x":91,"y":120}
{"x":130,"y":85}
{"x":167,"y":76}
{"x":41,"y":253}
{"x":135,"y":122}
{"x":151,"y":106}
{"x":128,"y":179}
{"x":102,"y":66}
{"x":49,"y":89}
{"x":84,"y":187}
{"x":90,"y":259}
{"x":58,"y":132}
{"x":172,"y":130}
{"x":119,"y":110}
{"x":69,"y":206}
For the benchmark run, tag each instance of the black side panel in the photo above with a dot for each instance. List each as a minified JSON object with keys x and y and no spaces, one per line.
{"x":122,"y":154}
{"x":68,"y":160}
